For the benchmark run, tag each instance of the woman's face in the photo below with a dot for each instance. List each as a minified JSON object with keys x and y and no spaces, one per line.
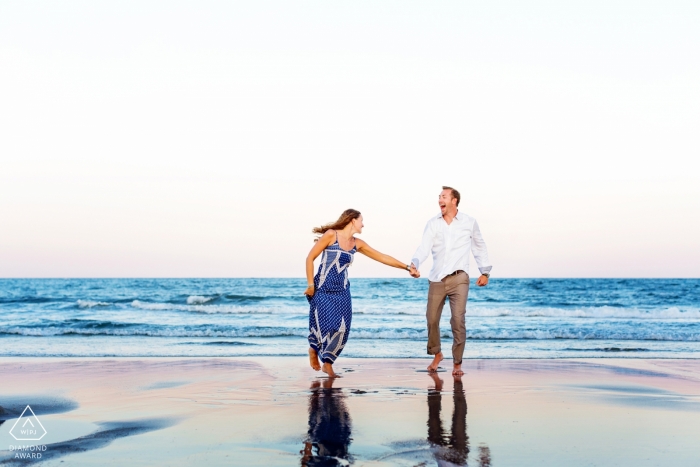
{"x":357,"y":224}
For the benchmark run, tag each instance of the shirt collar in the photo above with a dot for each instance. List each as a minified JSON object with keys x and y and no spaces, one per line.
{"x":458,"y":216}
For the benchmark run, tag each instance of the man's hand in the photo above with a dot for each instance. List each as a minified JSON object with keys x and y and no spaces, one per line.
{"x":414,"y":272}
{"x":482,"y":281}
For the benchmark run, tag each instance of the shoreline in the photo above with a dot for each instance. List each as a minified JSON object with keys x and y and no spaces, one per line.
{"x":302,"y":357}
{"x":98,"y":346}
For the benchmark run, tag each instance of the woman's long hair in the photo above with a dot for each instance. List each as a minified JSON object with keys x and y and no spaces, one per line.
{"x":345,"y":218}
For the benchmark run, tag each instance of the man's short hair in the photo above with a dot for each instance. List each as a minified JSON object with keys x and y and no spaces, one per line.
{"x":455,"y":193}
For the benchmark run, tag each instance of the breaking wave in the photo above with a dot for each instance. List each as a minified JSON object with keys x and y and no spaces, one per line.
{"x":199,"y":300}
{"x":217,"y":309}
{"x":127,"y":329}
{"x":90,"y":303}
{"x":603,"y":312}
{"x":200,"y":304}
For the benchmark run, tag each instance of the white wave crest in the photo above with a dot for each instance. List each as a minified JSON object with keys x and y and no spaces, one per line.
{"x":200,"y":304}
{"x":172,"y":332}
{"x":640,"y":334}
{"x":198,"y":300}
{"x":221,"y":309}
{"x":603,"y":312}
{"x":90,"y":303}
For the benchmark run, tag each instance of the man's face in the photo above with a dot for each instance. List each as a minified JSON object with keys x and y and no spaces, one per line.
{"x":446,"y":201}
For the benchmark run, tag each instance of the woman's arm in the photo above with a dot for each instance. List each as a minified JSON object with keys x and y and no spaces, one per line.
{"x":367,"y":250}
{"x":322,"y":243}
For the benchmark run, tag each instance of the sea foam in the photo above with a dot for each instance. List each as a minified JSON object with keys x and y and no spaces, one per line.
{"x":90,"y":303}
{"x":198,"y":300}
{"x":571,"y":333}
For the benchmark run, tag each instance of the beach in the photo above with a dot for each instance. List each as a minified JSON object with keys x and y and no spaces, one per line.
{"x":381,"y":412}
{"x":180,"y":372}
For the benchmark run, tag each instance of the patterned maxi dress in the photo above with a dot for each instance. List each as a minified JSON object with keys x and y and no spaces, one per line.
{"x":330,"y":313}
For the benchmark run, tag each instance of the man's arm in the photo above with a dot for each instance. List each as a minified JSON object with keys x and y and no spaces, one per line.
{"x":481,"y":255}
{"x":425,"y":246}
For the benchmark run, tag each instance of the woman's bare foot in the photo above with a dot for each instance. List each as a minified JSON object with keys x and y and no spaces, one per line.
{"x":313,"y":360}
{"x":457,"y":370}
{"x":328,"y":369}
{"x":436,"y":361}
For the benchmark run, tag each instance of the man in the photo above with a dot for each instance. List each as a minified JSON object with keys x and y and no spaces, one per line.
{"x":450,"y":237}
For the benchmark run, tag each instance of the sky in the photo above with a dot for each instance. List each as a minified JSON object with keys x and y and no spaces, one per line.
{"x":207,"y":138}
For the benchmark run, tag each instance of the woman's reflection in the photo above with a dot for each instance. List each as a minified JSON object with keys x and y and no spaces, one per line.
{"x":453,"y":448}
{"x":330,"y":426}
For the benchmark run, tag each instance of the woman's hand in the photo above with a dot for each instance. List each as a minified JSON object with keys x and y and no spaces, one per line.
{"x":326,"y":239}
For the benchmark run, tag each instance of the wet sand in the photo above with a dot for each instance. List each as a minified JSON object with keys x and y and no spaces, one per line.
{"x":278,"y":412}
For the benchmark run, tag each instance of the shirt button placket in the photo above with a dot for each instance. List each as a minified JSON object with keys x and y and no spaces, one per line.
{"x":448,"y":247}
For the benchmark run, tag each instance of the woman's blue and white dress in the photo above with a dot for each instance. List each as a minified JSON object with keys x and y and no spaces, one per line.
{"x":330,"y":314}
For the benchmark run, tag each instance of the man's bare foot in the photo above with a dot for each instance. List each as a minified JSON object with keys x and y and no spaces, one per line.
{"x":328,"y":369}
{"x":436,"y":361}
{"x":457,"y":370}
{"x":313,"y":360}
{"x":437,"y":380}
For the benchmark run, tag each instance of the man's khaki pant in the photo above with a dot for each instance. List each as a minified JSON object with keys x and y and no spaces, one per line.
{"x":456,"y":288}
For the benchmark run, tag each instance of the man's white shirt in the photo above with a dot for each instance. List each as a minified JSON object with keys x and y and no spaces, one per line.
{"x":450,"y":245}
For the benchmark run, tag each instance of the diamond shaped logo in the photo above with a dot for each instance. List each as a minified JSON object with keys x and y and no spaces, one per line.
{"x":28,"y":427}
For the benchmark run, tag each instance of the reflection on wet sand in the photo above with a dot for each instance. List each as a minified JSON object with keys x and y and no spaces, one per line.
{"x":452,"y":447}
{"x":330,"y":428}
{"x":484,"y":456}
{"x":328,"y":439}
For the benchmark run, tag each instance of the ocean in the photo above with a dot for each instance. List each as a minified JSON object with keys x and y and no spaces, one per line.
{"x":510,"y":318}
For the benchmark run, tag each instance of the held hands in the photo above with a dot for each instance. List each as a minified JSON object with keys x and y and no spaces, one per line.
{"x":414,"y":272}
{"x":310,"y":290}
{"x":482,"y":281}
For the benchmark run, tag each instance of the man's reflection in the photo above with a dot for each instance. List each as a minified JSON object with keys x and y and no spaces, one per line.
{"x":449,"y":449}
{"x":330,"y":426}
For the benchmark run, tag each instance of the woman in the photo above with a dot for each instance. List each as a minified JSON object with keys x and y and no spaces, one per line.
{"x":328,"y":292}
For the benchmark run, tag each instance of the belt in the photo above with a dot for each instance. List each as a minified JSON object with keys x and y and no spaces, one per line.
{"x":455,"y":273}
